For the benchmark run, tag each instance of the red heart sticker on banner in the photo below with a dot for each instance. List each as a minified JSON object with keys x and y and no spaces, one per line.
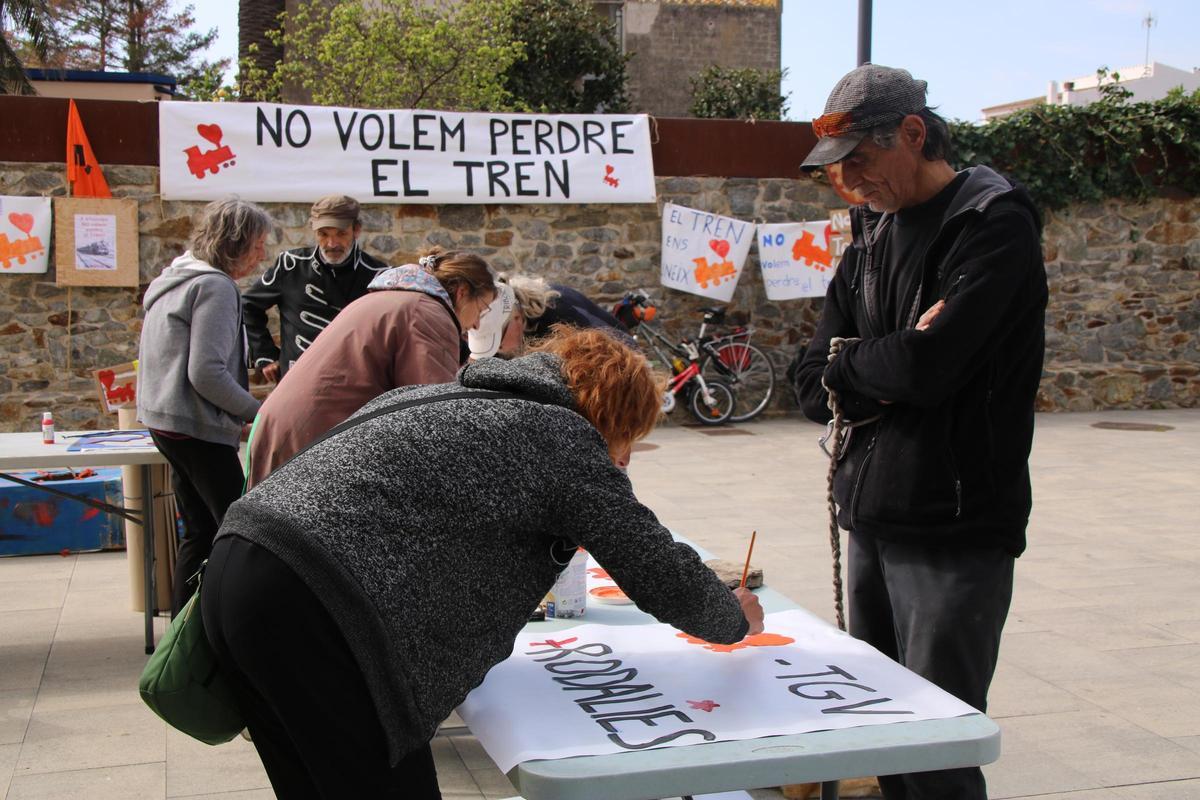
{"x":211,"y":132}
{"x":719,"y":246}
{"x":24,"y":222}
{"x":608,"y":169}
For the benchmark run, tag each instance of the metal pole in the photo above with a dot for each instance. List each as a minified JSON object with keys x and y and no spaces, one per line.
{"x":149,"y":529}
{"x":864,"y":31}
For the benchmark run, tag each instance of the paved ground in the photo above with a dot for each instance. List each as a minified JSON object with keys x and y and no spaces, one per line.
{"x":1097,"y":694}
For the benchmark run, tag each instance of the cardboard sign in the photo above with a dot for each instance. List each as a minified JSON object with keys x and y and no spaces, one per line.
{"x":283,"y":153}
{"x":703,"y":253}
{"x":798,"y":258}
{"x":600,"y":689}
{"x":117,"y":386}
{"x":24,"y":234}
{"x":96,"y":241}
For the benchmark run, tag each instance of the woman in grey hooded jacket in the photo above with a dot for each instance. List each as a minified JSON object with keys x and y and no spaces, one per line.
{"x":192,"y":383}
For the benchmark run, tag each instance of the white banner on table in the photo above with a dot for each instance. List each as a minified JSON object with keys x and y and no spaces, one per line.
{"x":703,"y":253}
{"x":24,"y":233}
{"x":798,"y":258}
{"x":601,"y":689}
{"x":268,"y":152}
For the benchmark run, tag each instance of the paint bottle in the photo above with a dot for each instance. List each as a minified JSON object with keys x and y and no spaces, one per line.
{"x":47,"y":428}
{"x":568,"y":595}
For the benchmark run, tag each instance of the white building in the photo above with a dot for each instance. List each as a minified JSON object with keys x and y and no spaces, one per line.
{"x":1146,"y":81}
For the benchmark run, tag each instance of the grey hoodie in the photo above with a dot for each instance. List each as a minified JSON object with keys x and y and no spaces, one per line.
{"x":431,"y":533}
{"x":191,"y":360}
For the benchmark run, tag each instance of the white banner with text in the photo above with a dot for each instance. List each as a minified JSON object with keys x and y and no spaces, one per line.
{"x":600,"y":689}
{"x":281,"y":153}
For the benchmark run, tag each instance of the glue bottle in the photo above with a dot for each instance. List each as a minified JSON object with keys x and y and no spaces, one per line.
{"x":47,"y":428}
{"x":568,"y":595}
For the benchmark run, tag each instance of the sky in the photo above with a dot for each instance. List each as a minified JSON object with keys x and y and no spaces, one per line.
{"x":973,"y":53}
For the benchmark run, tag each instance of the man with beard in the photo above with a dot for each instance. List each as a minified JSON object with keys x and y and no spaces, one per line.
{"x":309,"y":286}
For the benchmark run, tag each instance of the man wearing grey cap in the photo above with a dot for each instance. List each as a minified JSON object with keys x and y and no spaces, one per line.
{"x":930,"y":344}
{"x":309,"y":286}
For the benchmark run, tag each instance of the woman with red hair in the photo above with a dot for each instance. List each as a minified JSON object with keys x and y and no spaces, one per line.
{"x":360,"y":592}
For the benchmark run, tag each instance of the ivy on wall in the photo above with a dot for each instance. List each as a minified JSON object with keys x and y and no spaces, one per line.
{"x":1110,"y":148}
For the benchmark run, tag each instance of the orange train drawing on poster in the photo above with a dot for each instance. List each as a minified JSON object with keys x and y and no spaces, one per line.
{"x":806,"y":249}
{"x":716,"y":271}
{"x":18,"y":251}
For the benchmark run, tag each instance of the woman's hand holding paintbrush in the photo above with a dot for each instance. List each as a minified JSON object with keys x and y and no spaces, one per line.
{"x":750,"y":605}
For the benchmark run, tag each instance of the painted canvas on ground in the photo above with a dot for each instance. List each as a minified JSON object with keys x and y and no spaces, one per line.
{"x":602,"y":689}
{"x":96,"y":241}
{"x":798,"y":259}
{"x":703,"y":253}
{"x":24,"y":234}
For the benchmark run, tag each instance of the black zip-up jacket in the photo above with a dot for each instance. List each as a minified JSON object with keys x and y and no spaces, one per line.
{"x":948,"y":459}
{"x":308,"y":296}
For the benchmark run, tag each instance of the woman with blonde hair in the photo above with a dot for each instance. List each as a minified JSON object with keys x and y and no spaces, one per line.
{"x":406,"y":330}
{"x":192,"y":382}
{"x":527,"y":307}
{"x":361,"y":591}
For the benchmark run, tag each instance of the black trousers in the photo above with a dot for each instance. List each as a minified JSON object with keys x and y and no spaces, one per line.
{"x":207,"y":478}
{"x":308,"y":709}
{"x":939,"y":612}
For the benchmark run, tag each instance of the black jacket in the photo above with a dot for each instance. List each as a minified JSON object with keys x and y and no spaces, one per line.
{"x":947,"y":461}
{"x":308,"y":296}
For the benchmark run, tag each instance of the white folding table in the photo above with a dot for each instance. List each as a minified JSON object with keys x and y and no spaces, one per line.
{"x":20,"y":451}
{"x":819,"y":756}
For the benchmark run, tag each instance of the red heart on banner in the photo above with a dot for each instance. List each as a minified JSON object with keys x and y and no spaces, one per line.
{"x":719,"y":246}
{"x":24,"y":222}
{"x":106,"y":376}
{"x":608,"y":169}
{"x":211,"y":132}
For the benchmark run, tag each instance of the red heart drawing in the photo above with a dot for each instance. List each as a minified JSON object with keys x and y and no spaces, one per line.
{"x":211,"y":132}
{"x":24,"y":222}
{"x":106,"y":376}
{"x":608,"y":169}
{"x":719,"y":246}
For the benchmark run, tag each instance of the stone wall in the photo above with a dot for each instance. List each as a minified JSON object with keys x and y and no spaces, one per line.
{"x":1121,"y":328}
{"x":672,"y":42}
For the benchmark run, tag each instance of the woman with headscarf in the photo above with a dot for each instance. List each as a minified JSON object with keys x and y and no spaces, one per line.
{"x":407,"y":330}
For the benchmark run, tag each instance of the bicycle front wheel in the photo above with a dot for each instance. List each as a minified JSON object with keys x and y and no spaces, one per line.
{"x":748,"y":372}
{"x":723,"y":402}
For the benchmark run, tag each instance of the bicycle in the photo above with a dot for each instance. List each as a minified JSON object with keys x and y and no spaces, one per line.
{"x":711,"y":401}
{"x":729,"y":359}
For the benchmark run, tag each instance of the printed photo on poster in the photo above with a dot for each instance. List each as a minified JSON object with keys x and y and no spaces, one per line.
{"x":703,"y":253}
{"x":798,"y":259}
{"x":96,"y":241}
{"x":24,"y":234}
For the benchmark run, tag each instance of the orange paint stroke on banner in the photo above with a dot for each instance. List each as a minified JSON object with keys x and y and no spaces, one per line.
{"x":758,"y":640}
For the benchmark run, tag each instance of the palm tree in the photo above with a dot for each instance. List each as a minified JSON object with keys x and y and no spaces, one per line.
{"x":255,"y":19}
{"x":29,"y":19}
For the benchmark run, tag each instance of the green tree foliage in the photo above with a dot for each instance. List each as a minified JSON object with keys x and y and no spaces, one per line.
{"x":129,"y":35}
{"x":395,"y":53}
{"x":573,"y":62}
{"x":26,"y":31}
{"x":1110,"y":148}
{"x":727,"y":93}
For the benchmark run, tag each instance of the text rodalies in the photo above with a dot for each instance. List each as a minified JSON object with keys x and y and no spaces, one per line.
{"x":624,"y":705}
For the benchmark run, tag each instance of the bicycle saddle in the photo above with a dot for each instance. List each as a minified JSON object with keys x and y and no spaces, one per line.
{"x":714,"y":314}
